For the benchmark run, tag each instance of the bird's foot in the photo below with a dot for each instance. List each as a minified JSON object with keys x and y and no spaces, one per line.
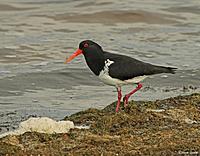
{"x":125,"y":100}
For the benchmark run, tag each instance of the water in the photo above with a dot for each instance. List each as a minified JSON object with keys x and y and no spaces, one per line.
{"x":36,"y":37}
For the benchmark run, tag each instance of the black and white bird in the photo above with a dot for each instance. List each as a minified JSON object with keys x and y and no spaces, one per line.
{"x":117,"y":70}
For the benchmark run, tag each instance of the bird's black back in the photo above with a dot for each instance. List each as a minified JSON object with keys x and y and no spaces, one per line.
{"x":125,"y":67}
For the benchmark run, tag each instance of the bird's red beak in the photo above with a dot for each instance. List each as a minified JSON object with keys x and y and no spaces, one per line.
{"x":76,"y":53}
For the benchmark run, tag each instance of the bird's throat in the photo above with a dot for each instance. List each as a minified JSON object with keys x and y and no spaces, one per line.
{"x":95,"y":61}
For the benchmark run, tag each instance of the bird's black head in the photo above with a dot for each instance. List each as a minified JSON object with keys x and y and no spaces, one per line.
{"x":88,"y":44}
{"x":93,"y":54}
{"x":87,"y":48}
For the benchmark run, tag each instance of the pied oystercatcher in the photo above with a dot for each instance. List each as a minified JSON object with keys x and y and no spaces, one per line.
{"x":117,"y":70}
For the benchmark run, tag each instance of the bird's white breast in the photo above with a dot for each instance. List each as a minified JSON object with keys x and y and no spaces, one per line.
{"x":107,"y":79}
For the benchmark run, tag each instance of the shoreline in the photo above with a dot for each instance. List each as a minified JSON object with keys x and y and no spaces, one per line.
{"x":162,"y":127}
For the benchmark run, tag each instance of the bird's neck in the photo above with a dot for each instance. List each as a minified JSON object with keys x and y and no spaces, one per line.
{"x":95,"y":60}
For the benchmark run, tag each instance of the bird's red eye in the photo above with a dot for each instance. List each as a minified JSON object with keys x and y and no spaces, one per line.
{"x":86,"y":45}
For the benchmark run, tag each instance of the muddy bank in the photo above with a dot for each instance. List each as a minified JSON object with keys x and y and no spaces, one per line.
{"x":162,"y":127}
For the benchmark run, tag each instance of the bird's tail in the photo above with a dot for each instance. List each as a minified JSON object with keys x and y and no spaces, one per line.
{"x":171,"y":69}
{"x":162,"y":69}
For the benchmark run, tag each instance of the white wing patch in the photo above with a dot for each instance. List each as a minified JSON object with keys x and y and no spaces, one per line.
{"x":107,"y":64}
{"x":106,"y":67}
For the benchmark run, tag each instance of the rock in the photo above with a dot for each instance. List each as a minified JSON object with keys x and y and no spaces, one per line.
{"x":42,"y":125}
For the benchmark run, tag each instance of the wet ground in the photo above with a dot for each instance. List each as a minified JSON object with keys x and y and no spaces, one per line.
{"x":162,"y":127}
{"x":36,"y":36}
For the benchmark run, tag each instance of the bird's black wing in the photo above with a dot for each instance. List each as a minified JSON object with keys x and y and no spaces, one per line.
{"x":125,"y":67}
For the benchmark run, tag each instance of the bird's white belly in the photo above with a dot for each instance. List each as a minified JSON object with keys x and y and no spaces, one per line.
{"x":104,"y":77}
{"x":136,"y":79}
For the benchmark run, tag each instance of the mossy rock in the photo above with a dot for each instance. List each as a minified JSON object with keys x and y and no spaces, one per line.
{"x":161,"y":127}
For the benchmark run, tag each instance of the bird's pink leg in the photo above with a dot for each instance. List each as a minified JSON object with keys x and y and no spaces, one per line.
{"x":119,"y":98}
{"x":126,"y":97}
